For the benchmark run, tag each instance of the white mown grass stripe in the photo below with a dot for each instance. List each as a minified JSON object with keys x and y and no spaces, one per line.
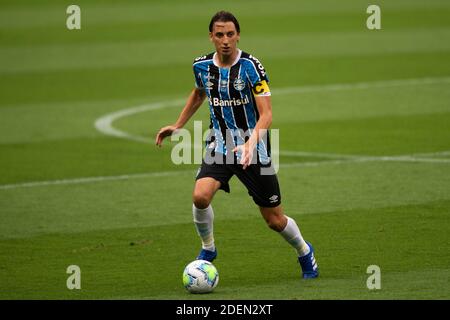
{"x":364,"y":85}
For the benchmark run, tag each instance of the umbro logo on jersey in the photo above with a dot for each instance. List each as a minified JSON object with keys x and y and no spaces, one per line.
{"x":208,"y":83}
{"x":273,"y":198}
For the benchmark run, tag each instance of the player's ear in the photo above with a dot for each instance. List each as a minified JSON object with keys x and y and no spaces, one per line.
{"x":210,"y":36}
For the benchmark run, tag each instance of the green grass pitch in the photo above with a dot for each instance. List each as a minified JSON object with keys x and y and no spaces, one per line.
{"x":364,"y":123}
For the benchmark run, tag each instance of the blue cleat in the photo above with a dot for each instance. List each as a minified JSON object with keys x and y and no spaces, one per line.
{"x":207,"y":255}
{"x":309,"y":265}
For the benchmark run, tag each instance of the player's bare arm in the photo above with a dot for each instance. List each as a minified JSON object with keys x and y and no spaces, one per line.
{"x":194,"y":101}
{"x":264,"y":105}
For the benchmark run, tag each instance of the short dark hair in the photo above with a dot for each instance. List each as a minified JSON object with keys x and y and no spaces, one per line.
{"x":224,"y":16}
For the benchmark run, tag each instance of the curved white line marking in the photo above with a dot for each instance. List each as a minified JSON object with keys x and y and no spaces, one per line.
{"x":104,"y":123}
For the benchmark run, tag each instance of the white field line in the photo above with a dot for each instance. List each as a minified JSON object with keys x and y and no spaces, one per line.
{"x":412,"y":159}
{"x":317,"y":155}
{"x":124,"y":177}
{"x":152,"y":175}
{"x":104,"y":123}
{"x":431,"y":154}
{"x":93,"y":179}
{"x":87,"y":180}
{"x":326,"y":162}
{"x":361,"y":160}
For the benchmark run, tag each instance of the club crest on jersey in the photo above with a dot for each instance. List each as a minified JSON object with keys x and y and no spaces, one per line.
{"x":239,"y":84}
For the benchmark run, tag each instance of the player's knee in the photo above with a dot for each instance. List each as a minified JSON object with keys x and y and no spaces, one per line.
{"x":201,"y":200}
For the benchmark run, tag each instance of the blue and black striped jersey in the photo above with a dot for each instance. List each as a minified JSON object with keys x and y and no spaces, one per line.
{"x":231,"y":95}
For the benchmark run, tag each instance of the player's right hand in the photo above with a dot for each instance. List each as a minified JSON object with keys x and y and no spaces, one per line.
{"x":163,"y":133}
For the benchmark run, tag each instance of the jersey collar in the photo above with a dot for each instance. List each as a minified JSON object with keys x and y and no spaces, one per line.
{"x":234,"y":62}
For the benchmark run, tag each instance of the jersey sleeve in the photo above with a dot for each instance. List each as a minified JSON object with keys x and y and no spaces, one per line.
{"x":257,"y":77}
{"x":198,"y":79}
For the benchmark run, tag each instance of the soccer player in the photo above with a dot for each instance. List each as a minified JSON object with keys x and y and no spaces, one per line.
{"x":236,"y":86}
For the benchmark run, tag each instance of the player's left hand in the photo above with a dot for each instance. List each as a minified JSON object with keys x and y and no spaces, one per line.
{"x":246,"y":154}
{"x":163,"y":133}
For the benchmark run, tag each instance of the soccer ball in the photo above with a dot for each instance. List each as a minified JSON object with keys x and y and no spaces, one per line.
{"x":200,"y":276}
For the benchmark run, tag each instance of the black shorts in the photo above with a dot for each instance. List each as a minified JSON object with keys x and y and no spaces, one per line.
{"x":263,"y":188}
